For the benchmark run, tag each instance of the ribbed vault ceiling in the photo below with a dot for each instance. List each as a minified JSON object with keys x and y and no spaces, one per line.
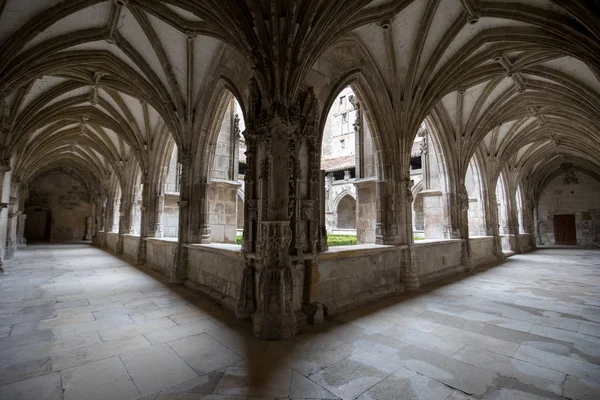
{"x":93,"y":85}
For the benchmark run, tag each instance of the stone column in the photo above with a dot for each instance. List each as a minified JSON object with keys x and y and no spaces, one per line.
{"x":366,"y":218}
{"x":492,"y":223}
{"x":282,"y":216}
{"x":529,"y":221}
{"x":463,"y":227}
{"x":11,"y":229}
{"x":513,"y":228}
{"x":88,"y":228}
{"x":21,"y":230}
{"x":396,"y":219}
{"x":180,"y":264}
{"x":125,"y":220}
{"x":109,"y":216}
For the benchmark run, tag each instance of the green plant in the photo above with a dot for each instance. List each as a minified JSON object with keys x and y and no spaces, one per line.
{"x":238,"y":239}
{"x":341,"y":240}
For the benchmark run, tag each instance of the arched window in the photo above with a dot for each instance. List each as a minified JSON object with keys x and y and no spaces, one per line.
{"x":170,"y":215}
{"x":474,"y":185}
{"x":116,"y":211}
{"x":227,"y":176}
{"x":349,"y":161}
{"x":519,"y":200}
{"x":346,"y":213}
{"x":502,"y":203}
{"x":428,"y":173}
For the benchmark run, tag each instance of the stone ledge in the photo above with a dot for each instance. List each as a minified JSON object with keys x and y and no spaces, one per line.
{"x":230,"y":250}
{"x":480,"y":237}
{"x":356,"y":250}
{"x":436,"y":242}
{"x":162,"y":239}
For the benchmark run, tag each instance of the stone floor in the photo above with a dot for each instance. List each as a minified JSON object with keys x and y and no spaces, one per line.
{"x":79,"y":323}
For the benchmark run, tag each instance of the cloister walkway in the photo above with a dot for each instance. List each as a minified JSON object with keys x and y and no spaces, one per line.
{"x":79,"y":323}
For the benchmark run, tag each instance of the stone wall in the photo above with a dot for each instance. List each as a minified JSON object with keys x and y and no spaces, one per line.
{"x":111,"y":240}
{"x":66,"y":199}
{"x":351,"y":276}
{"x":581,"y":199}
{"x":526,"y":242}
{"x":131,"y":245}
{"x":436,"y":260}
{"x":482,"y":250}
{"x":160,"y":253}
{"x":216,"y":270}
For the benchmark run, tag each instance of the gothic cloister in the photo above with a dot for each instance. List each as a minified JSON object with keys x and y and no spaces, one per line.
{"x":182,"y":179}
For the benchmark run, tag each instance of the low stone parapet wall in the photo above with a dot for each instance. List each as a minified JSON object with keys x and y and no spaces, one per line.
{"x":438,"y":259}
{"x":526,"y":241}
{"x":349,"y":276}
{"x":160,"y":254}
{"x":482,"y":250}
{"x":216,"y":270}
{"x":111,"y":241}
{"x":131,"y":245}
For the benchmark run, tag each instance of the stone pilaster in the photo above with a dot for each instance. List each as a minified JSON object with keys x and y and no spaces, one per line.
{"x":366,"y":217}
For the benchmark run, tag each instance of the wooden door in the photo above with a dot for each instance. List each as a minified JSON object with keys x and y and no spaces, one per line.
{"x":564,"y":229}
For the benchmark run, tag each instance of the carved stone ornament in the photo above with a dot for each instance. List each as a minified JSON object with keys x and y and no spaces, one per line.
{"x":308,"y":207}
{"x":182,"y":203}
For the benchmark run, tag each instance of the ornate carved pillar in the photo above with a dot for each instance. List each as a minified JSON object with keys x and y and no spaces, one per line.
{"x":281,"y":231}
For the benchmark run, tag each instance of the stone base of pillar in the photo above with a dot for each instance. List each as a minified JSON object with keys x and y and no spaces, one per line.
{"x":274,"y":318}
{"x":246,"y":304}
{"x":513,"y":243}
{"x":411,"y":275}
{"x":180,"y":264}
{"x":11,"y":248}
{"x":119,"y":249}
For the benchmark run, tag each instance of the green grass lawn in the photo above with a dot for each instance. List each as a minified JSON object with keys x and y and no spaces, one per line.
{"x":332,"y":240}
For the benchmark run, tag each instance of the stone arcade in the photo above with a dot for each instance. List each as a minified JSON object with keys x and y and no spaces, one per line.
{"x":217,"y":145}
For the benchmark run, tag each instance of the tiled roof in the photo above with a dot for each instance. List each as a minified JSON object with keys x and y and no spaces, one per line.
{"x":338,"y":163}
